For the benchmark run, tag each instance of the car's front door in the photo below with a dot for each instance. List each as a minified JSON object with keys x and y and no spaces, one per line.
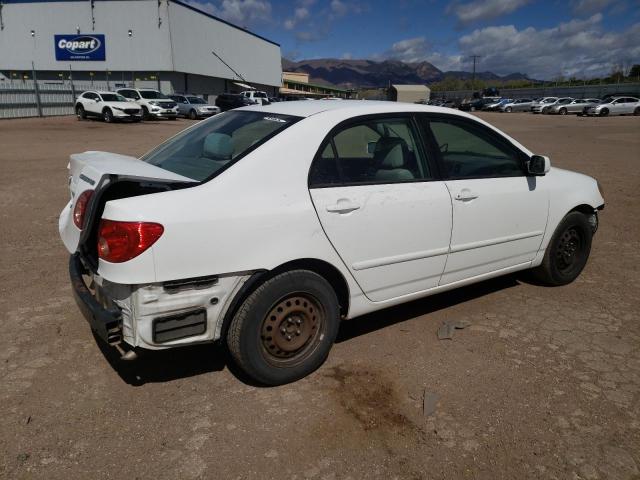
{"x":381,"y":206}
{"x":91,"y":105}
{"x":499,"y":213}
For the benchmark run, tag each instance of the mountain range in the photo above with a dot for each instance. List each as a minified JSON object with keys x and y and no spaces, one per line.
{"x":371,"y":73}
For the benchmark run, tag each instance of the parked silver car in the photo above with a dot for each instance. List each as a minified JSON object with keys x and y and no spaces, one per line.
{"x":616,"y":106}
{"x":193,"y":107}
{"x":546,"y":108}
{"x":519,"y":105}
{"x":575,"y":106}
{"x":538,"y":105}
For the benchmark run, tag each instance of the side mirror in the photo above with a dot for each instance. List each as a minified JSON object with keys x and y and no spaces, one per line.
{"x":97,"y":100}
{"x":538,"y":165}
{"x":371,"y":147}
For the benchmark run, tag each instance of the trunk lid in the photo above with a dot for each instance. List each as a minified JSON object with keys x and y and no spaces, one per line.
{"x":96,"y":170}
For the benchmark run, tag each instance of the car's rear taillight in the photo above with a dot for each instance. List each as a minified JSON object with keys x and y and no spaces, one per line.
{"x":81,"y":208}
{"x":122,"y":241}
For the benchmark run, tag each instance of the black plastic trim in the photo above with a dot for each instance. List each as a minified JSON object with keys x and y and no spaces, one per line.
{"x":105,"y":323}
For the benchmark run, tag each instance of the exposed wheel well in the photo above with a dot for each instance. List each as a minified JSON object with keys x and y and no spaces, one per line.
{"x":584,"y":208}
{"x":322,"y":268}
{"x":105,"y":109}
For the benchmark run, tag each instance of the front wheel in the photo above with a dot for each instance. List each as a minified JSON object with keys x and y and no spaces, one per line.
{"x":636,"y":112}
{"x":284,"y":330}
{"x":563,"y":111}
{"x":508,"y":109}
{"x":145,"y":114}
{"x":567,"y":252}
{"x":604,"y":112}
{"x":193,"y":115}
{"x":107,"y":116}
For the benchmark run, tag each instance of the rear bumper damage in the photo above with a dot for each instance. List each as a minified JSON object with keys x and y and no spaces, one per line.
{"x":154,"y":316}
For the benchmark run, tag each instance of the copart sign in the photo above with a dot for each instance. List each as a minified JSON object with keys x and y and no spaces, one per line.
{"x":82,"y":47}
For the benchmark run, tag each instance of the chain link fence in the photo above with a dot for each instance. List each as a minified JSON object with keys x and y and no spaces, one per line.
{"x":29,"y":98}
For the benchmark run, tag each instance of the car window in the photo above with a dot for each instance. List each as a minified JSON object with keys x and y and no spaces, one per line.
{"x":196,"y":100}
{"x":370,"y":152}
{"x":205,"y":150}
{"x":470,"y":151}
{"x":152,"y":94}
{"x":90,"y":95}
{"x":113,"y":97}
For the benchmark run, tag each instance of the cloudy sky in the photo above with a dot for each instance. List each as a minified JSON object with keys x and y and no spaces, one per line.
{"x":544,"y":39}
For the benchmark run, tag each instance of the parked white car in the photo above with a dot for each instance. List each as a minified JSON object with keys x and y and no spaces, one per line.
{"x":154,"y":104}
{"x":264,"y":227}
{"x":257,"y":96}
{"x":616,"y":106}
{"x":109,"y":106}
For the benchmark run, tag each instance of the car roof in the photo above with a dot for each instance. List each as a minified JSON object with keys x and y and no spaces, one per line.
{"x":355,"y":107}
{"x":99,"y":91}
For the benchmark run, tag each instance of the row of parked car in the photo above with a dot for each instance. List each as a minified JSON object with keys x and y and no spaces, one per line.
{"x":136,"y":104}
{"x":609,"y":105}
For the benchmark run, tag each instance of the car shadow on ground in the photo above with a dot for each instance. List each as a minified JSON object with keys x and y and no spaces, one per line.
{"x":424,"y":306}
{"x":172,"y":364}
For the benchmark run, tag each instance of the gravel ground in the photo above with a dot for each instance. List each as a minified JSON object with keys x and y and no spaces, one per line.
{"x":544,"y":383}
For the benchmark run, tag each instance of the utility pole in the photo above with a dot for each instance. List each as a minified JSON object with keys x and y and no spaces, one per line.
{"x":473,"y":78}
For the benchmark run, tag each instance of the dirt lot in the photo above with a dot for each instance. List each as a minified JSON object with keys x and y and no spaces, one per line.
{"x":544,"y":384}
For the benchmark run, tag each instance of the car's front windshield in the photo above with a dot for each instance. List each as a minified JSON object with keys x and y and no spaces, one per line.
{"x":112,"y":97}
{"x":197,"y":100}
{"x":152,"y":94}
{"x":211,"y":146}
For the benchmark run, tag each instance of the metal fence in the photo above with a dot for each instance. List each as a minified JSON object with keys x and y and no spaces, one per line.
{"x":579,"y":91}
{"x":31,"y":98}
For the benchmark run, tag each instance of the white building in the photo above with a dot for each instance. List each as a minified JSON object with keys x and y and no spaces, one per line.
{"x":152,"y":43}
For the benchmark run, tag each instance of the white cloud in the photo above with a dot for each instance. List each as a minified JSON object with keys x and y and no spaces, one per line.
{"x":479,"y":10}
{"x":239,"y":12}
{"x":578,"y":47}
{"x":299,"y":14}
{"x":346,"y":56}
{"x":585,"y":7}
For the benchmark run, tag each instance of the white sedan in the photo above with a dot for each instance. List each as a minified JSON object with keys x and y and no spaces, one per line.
{"x":109,"y":106}
{"x":264,"y":227}
{"x":616,"y":106}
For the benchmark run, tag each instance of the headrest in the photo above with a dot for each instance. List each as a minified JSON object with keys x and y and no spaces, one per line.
{"x":217,"y":146}
{"x":389,"y":152}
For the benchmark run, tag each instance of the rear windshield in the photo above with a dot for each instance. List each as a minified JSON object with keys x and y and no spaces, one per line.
{"x":211,"y":146}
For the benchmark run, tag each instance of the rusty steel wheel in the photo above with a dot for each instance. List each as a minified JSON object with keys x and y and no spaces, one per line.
{"x":291,"y":328}
{"x":284,"y":329}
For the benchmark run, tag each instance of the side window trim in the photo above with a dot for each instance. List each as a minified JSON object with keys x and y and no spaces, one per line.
{"x":494,"y":138}
{"x":354,"y":121}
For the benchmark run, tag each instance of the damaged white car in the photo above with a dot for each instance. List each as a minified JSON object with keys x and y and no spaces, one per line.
{"x":264,"y":227}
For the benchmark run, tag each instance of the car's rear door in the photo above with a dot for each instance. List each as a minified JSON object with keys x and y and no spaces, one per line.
{"x":499,"y":213}
{"x":382,"y":206}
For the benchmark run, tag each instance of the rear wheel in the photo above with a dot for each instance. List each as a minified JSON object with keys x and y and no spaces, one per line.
{"x":567,"y":252}
{"x":636,"y":112}
{"x":80,"y":113}
{"x":107,"y":115}
{"x":284,"y":330}
{"x":604,"y":112}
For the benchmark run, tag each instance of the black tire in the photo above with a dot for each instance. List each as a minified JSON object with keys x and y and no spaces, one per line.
{"x":636,"y":112}
{"x":567,"y":252}
{"x":604,"y":112}
{"x":80,"y":113}
{"x":193,"y":115}
{"x":145,"y":113}
{"x":284,"y":329}
{"x":508,"y":109}
{"x":562,"y":111}
{"x":107,"y":115}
